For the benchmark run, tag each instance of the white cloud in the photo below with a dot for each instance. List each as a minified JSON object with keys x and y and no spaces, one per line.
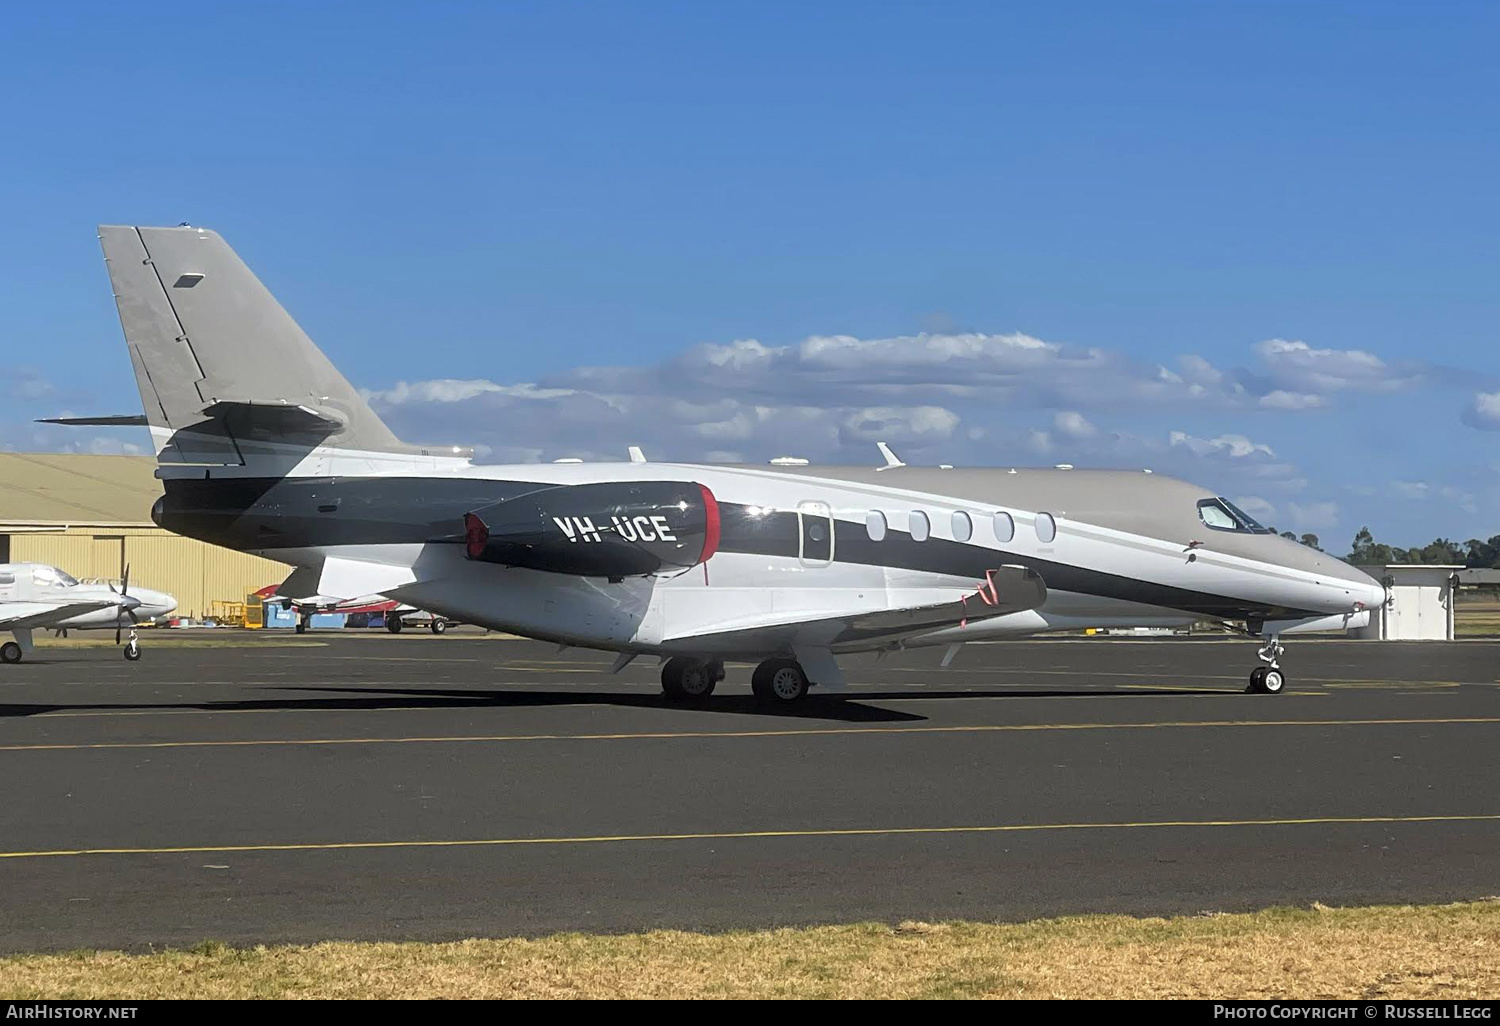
{"x":1313,"y":515}
{"x":1284,"y":400}
{"x":1298,"y":365}
{"x":1233,"y":446}
{"x":1072,"y":424}
{"x":1484,"y":412}
{"x":1410,"y":489}
{"x":451,"y":390}
{"x":894,"y":424}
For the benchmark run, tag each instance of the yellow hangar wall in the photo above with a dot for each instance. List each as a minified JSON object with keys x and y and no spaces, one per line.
{"x":88,"y":513}
{"x":193,"y":572}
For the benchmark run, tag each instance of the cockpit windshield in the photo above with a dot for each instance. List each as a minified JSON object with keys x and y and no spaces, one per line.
{"x":51,"y":576}
{"x":1223,"y":515}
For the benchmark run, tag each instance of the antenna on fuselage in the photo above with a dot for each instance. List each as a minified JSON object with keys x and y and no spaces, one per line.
{"x":636,"y":456}
{"x":891,"y":459}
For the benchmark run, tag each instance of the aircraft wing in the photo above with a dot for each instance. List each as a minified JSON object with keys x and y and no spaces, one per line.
{"x":23,"y":615}
{"x":907,"y":612}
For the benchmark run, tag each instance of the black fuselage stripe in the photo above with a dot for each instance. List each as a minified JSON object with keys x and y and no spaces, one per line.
{"x":266,"y":514}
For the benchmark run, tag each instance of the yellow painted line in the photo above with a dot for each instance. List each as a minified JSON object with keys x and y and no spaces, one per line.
{"x":735,"y":835}
{"x":1001,"y":728}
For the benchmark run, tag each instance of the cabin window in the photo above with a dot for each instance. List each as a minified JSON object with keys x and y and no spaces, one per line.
{"x":875,"y":525}
{"x":1005,"y":527}
{"x":1046,"y":528}
{"x":7,"y":578}
{"x":963,"y":527}
{"x":917,"y":525}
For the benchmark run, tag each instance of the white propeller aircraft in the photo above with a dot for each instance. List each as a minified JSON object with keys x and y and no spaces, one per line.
{"x":35,"y":595}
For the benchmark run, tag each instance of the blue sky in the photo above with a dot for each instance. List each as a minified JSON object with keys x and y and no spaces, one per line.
{"x":1253,"y":244}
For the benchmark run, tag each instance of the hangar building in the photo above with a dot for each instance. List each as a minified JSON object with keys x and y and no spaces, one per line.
{"x":91,"y":514}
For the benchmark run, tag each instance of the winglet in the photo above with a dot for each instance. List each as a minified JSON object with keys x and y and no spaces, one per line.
{"x":891,"y":459}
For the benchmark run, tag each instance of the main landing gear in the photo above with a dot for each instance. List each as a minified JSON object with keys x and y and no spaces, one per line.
{"x":686,"y":679}
{"x":1268,"y":679}
{"x":781,"y":681}
{"x":775,"y":682}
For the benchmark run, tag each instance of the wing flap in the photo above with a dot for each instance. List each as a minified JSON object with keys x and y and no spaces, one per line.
{"x":853,"y":617}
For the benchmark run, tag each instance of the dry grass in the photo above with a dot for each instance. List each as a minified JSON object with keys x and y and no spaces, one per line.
{"x":1449,"y":951}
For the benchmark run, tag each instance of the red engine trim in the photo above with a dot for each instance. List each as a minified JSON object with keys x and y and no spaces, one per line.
{"x":476,"y":535}
{"x":710,"y":524}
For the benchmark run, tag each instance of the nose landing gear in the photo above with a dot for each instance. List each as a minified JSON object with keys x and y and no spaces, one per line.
{"x":133,"y":647}
{"x":1268,"y":679}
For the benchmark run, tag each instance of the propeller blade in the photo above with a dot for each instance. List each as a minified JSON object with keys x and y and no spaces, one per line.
{"x":117,"y":632}
{"x":125,"y":581}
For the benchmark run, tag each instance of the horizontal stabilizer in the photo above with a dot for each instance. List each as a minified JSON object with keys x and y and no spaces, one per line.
{"x":117,"y":420}
{"x":280,"y":413}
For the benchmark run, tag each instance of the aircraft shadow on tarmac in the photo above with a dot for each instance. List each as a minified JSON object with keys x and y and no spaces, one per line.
{"x":849,"y":707}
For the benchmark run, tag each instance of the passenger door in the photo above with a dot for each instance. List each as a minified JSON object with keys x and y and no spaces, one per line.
{"x":815,"y":529}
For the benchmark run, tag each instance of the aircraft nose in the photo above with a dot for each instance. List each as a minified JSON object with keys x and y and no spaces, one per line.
{"x":159,"y":603}
{"x":1364,"y":589}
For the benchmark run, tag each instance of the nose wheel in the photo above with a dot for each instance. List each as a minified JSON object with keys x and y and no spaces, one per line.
{"x":133,"y":648}
{"x":1268,"y":679}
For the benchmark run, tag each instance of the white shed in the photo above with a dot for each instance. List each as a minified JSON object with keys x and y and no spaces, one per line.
{"x":1420,"y":603}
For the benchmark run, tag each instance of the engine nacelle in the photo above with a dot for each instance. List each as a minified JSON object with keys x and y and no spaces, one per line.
{"x":608,"y":529}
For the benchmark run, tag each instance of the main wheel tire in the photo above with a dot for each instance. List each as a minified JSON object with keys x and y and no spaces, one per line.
{"x":10,"y":652}
{"x":696,"y":680}
{"x":439,"y":626}
{"x":132,"y":652}
{"x":781,"y":681}
{"x":687,"y":679}
{"x":1267,"y":680}
{"x":393,"y":625}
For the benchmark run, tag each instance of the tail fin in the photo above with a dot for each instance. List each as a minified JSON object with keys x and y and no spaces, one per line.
{"x":225,"y":374}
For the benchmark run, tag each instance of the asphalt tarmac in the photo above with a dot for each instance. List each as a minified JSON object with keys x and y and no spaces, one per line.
{"x":374,"y":787}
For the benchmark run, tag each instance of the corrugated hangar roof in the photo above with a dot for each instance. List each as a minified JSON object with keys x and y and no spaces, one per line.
{"x":72,"y":488}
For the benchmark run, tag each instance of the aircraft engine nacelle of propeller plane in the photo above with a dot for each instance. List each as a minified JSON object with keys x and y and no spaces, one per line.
{"x":264,"y":447}
{"x":37,"y":596}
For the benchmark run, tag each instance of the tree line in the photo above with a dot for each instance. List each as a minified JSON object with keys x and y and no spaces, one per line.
{"x":1366,"y":550}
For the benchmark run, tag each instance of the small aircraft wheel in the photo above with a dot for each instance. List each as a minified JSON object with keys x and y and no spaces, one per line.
{"x":439,"y":626}
{"x":780,"y":681}
{"x":393,"y":624}
{"x":132,"y":651}
{"x":686,"y":679}
{"x":10,"y":652}
{"x":1267,"y":680}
